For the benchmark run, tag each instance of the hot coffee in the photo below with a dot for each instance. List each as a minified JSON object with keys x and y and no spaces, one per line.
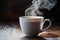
{"x":32,"y":25}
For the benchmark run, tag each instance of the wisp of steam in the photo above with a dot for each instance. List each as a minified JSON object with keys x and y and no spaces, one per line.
{"x":39,"y":4}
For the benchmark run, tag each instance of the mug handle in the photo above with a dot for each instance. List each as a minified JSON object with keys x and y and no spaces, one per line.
{"x":41,"y":27}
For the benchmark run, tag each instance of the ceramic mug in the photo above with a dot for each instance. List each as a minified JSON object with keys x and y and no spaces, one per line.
{"x":32,"y":25}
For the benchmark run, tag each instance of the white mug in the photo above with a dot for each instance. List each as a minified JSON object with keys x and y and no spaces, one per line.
{"x":32,"y":25}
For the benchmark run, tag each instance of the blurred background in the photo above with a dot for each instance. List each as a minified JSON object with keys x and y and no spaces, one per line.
{"x":11,"y":10}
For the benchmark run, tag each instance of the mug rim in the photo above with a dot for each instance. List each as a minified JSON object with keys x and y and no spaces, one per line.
{"x":31,"y":17}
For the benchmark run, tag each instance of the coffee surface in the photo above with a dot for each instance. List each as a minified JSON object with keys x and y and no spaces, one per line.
{"x":32,"y":18}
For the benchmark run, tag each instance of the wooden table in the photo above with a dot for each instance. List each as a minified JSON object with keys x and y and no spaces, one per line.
{"x":13,"y":32}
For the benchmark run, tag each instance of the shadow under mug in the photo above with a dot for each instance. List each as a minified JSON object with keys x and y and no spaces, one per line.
{"x":33,"y":25}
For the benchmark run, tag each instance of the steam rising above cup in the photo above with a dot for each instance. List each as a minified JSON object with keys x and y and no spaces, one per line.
{"x":33,"y":10}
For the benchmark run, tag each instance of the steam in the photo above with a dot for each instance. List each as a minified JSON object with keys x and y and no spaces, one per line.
{"x":39,"y":4}
{"x":9,"y":32}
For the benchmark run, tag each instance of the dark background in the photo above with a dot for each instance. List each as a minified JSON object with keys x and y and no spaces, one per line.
{"x":10,"y":10}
